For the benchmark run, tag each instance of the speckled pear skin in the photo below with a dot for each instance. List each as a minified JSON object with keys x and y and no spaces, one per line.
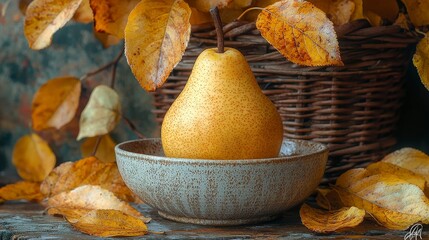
{"x":213,"y":192}
{"x":222,"y":113}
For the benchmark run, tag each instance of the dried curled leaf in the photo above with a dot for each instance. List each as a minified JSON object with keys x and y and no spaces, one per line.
{"x":101,"y":114}
{"x":301,"y":32}
{"x":33,"y":158}
{"x":153,"y":56}
{"x":55,"y":103}
{"x":402,"y":173}
{"x":418,"y":11}
{"x":111,"y":16}
{"x":421,"y":60}
{"x":89,"y":197}
{"x":105,"y":151}
{"x":329,"y":221}
{"x":84,"y":13}
{"x":87,"y":171}
{"x":22,"y":190}
{"x":108,"y":223}
{"x":39,"y":27}
{"x":393,"y":202}
{"x":206,"y":5}
{"x":328,"y":199}
{"x":411,"y":159}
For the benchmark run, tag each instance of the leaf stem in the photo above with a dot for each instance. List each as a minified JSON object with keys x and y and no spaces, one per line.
{"x":133,"y":127}
{"x":115,"y":66}
{"x":219,"y":31}
{"x":248,"y":10}
{"x":97,"y":144}
{"x":104,"y":67}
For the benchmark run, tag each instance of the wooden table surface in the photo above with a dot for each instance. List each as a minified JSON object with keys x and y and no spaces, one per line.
{"x":21,"y":220}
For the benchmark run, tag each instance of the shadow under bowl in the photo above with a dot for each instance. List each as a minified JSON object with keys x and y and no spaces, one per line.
{"x":221,"y":192}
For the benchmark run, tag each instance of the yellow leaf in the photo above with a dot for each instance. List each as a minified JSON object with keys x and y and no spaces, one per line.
{"x":106,"y":39}
{"x":87,"y":171}
{"x":393,"y":202}
{"x":23,"y":5}
{"x":205,"y":5}
{"x":329,"y":221}
{"x":33,"y":158}
{"x":105,"y":151}
{"x":411,"y":159}
{"x":55,"y":103}
{"x":110,"y":16}
{"x":421,"y":60}
{"x":101,"y":114}
{"x":240,"y":4}
{"x":373,"y":18}
{"x":90,"y":197}
{"x":108,"y":223}
{"x":153,"y":56}
{"x":301,"y":32}
{"x":199,"y":17}
{"x":402,"y":173}
{"x":358,"y":12}
{"x":339,"y":12}
{"x":22,"y":190}
{"x":39,"y":26}
{"x":418,"y":11}
{"x":328,"y":199}
{"x":84,"y":13}
{"x":253,"y":15}
{"x":387,"y":9}
{"x":403,"y":21}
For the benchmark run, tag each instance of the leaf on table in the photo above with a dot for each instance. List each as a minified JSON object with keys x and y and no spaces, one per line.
{"x":33,"y":158}
{"x":84,"y":13}
{"x":301,"y":32}
{"x":421,"y":61}
{"x":108,"y":223}
{"x":323,"y":221}
{"x":106,"y":39}
{"x":23,"y":190}
{"x":418,"y":11}
{"x":101,"y":114}
{"x":391,"y":201}
{"x":153,"y":56}
{"x":402,"y":173}
{"x":105,"y":151}
{"x":206,"y":5}
{"x":387,"y":9}
{"x":328,"y":199}
{"x":89,"y":197}
{"x":39,"y":27}
{"x":339,"y":12}
{"x":87,"y":171}
{"x":411,"y":159}
{"x":110,"y":16}
{"x":55,"y":103}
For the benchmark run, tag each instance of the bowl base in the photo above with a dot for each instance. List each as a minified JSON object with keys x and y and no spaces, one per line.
{"x":216,"y":222}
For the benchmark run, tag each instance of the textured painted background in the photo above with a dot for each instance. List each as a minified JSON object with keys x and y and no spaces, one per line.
{"x":75,"y":51}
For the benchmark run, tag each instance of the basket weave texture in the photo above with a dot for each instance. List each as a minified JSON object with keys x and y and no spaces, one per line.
{"x":353,"y":109}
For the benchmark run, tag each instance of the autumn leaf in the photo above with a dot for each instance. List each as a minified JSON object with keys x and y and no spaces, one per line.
{"x":418,"y":11}
{"x":323,"y":221}
{"x":87,"y":171}
{"x":206,"y":5}
{"x":403,"y":21}
{"x":198,"y":17}
{"x":402,"y":173}
{"x":39,"y":27}
{"x":339,"y":12}
{"x":33,"y":158}
{"x":108,"y":223}
{"x":84,"y":13}
{"x":23,"y":190}
{"x":328,"y":199}
{"x":105,"y":151}
{"x":373,"y":18}
{"x":358,"y":12}
{"x":111,"y":16}
{"x":387,"y":9}
{"x":153,"y":56}
{"x":421,"y":60}
{"x":55,"y":103}
{"x":101,"y":114}
{"x":301,"y":32}
{"x":23,"y":5}
{"x":89,"y":197}
{"x":411,"y":159}
{"x":391,"y":201}
{"x":106,"y":39}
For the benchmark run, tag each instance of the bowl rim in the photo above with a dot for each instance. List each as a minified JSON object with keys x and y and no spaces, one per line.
{"x":119,"y":151}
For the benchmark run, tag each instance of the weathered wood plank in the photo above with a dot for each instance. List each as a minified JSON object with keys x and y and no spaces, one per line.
{"x":19,"y":220}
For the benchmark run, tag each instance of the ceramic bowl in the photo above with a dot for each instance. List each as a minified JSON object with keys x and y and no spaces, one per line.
{"x":221,"y":192}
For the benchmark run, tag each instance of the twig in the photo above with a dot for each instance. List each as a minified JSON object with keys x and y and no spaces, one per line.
{"x":104,"y":67}
{"x":97,"y":144}
{"x":115,"y":65}
{"x":133,"y":127}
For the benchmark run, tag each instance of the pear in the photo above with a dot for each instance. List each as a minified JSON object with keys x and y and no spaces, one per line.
{"x":222,"y":113}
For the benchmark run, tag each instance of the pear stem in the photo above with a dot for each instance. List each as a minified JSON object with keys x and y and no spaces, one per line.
{"x":219,"y":29}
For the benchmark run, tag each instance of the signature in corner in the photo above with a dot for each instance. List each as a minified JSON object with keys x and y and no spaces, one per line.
{"x":415,"y":232}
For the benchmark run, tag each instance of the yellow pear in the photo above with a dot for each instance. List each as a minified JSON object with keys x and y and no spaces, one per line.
{"x":222,"y":113}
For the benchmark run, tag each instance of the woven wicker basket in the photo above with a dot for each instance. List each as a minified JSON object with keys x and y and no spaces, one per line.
{"x":353,"y":109}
